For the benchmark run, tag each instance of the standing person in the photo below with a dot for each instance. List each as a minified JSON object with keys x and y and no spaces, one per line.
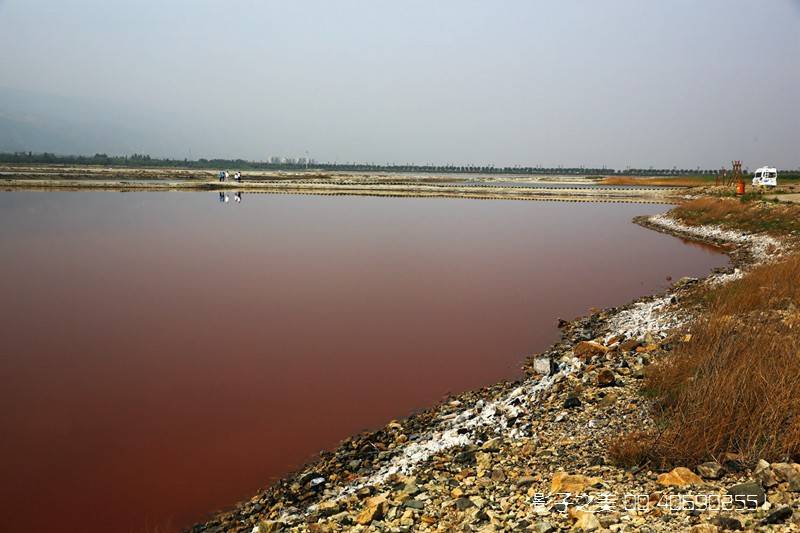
{"x":238,"y":176}
{"x":221,"y":176}
{"x":226,"y":175}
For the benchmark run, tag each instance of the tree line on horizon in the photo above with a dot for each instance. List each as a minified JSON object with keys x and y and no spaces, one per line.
{"x":145,"y":160}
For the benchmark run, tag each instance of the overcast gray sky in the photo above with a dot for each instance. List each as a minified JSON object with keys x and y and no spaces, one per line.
{"x":617,"y":82}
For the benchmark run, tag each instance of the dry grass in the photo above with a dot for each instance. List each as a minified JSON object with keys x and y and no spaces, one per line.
{"x":697,"y":180}
{"x":680,"y":181}
{"x":632,"y":449}
{"x":735,"y":387}
{"x":752,"y":216}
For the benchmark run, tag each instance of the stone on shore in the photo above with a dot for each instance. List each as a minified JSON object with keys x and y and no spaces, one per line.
{"x":788,"y":473}
{"x":544,"y":365}
{"x":544,"y":527}
{"x":703,"y":528}
{"x":414,"y":504}
{"x":588,"y":349}
{"x":572,"y":402}
{"x":629,"y":345}
{"x":764,"y":475}
{"x":711,"y":470}
{"x":584,"y":520}
{"x":572,"y":483}
{"x":462,"y":504}
{"x":268,"y":526}
{"x":606,"y":378}
{"x":778,"y":516}
{"x":728,"y":523}
{"x":373,"y":510}
{"x":328,"y":508}
{"x":679,"y":477}
{"x":749,"y":494}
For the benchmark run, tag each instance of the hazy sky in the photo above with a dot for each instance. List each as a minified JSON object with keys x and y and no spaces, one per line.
{"x":629,"y":82}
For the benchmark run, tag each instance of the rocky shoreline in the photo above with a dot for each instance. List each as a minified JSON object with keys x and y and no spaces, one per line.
{"x":504,"y":457}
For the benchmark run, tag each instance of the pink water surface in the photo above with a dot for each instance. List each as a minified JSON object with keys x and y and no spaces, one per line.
{"x":164,"y":355}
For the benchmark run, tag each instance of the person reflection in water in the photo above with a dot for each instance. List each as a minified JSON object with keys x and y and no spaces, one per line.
{"x":224,"y":198}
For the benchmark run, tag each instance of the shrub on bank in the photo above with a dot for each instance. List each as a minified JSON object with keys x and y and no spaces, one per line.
{"x":735,"y":386}
{"x":750,"y":216}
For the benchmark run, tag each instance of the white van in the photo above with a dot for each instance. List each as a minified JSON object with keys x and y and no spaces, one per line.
{"x":765,"y":176}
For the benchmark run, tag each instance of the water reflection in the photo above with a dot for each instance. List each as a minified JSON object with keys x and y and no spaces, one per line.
{"x":224,"y":198}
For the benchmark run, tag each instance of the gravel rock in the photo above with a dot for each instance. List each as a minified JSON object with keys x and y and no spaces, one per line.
{"x":544,"y":527}
{"x":703,"y":528}
{"x":544,"y":365}
{"x":587,"y":349}
{"x":778,"y":516}
{"x":763,"y":474}
{"x":571,"y":483}
{"x":463,"y":504}
{"x":788,"y":473}
{"x":373,"y":510}
{"x":572,"y":402}
{"x":584,"y":520}
{"x":606,"y":378}
{"x":750,"y":494}
{"x":728,"y":523}
{"x":679,"y":477}
{"x":711,"y":470}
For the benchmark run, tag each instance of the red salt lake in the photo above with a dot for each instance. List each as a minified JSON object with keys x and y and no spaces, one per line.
{"x":165,"y":355}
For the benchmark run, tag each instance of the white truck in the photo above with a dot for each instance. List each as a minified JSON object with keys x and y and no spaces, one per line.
{"x":766,"y":176}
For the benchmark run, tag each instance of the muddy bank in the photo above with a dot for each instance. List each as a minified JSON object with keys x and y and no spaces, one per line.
{"x":501,"y":457}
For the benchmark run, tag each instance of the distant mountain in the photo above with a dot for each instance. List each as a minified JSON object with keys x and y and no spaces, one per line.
{"x":21,"y":135}
{"x":31,"y":121}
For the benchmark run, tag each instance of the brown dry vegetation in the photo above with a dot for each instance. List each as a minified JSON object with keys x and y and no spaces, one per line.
{"x":735,"y":386}
{"x":681,"y":181}
{"x":697,"y":180}
{"x":751,"y":216}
